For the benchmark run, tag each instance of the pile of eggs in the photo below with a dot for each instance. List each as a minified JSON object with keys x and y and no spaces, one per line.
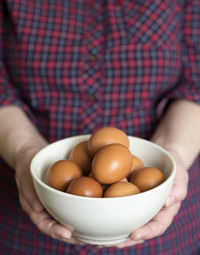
{"x":103,"y":166}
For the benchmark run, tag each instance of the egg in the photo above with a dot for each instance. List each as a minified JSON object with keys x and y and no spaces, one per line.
{"x":105,"y":136}
{"x":147,"y":178}
{"x":81,"y":156}
{"x":85,"y":186}
{"x":137,"y":163}
{"x":105,"y":186}
{"x":121,"y":189}
{"x":111,"y":163}
{"x":61,"y":173}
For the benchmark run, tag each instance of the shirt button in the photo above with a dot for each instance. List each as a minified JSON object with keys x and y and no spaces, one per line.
{"x":92,"y":57}
{"x":92,"y":98}
{"x":94,"y":23}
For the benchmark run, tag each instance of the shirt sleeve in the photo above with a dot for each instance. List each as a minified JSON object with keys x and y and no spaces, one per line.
{"x":188,"y":86}
{"x":9,"y":94}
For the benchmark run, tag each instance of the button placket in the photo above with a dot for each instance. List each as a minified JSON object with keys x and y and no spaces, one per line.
{"x":92,"y":77}
{"x":92,"y":97}
{"x":94,"y":45}
{"x":92,"y":57}
{"x":94,"y":23}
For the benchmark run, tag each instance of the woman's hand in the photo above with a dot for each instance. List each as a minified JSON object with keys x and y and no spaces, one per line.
{"x":30,"y":202}
{"x":177,"y":132}
{"x":19,"y":142}
{"x":159,"y":224}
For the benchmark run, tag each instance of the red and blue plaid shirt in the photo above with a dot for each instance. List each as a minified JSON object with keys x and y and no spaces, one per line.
{"x":78,"y":65}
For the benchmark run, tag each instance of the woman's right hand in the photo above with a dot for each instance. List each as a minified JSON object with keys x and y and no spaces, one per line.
{"x":19,"y":142}
{"x":30,"y":202}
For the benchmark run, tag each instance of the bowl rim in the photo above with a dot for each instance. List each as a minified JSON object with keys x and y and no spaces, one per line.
{"x":65,"y":194}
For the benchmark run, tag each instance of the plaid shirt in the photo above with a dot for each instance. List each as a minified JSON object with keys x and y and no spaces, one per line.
{"x":75,"y":66}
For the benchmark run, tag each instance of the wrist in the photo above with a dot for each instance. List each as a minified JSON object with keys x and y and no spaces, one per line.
{"x":175,"y":149}
{"x":178,"y":130}
{"x":26,"y":149}
{"x":23,"y":157}
{"x":17,"y":134}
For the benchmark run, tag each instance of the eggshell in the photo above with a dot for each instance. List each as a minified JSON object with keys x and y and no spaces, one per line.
{"x":121,"y":189}
{"x":105,"y":136}
{"x":147,"y":178}
{"x":61,"y":173}
{"x":81,"y":156}
{"x":111,"y":164}
{"x":137,"y":163}
{"x":85,"y":186}
{"x":105,"y":186}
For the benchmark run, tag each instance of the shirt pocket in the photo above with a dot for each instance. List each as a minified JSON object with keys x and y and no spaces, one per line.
{"x":138,"y":76}
{"x":152,"y":22}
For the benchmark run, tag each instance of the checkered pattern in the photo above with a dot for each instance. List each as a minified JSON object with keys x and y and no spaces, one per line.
{"x":75,"y":66}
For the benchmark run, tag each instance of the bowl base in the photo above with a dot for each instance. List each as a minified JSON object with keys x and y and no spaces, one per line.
{"x":106,"y":242}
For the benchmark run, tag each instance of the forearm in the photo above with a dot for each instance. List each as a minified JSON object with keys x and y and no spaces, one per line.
{"x":17,"y":133}
{"x":179,"y":130}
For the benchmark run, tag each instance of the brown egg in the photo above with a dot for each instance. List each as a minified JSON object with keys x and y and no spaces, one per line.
{"x":121,"y":189}
{"x":61,"y":173}
{"x":111,"y":164}
{"x":147,"y":178}
{"x":105,"y":186}
{"x":137,"y":163}
{"x":85,"y":186}
{"x":105,"y":136}
{"x":81,"y":156}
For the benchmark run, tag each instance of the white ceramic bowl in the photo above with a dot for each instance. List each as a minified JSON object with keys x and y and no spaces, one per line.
{"x":103,"y":220}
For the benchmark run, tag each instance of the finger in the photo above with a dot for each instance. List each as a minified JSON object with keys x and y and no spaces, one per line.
{"x":33,"y":201}
{"x":180,"y":185}
{"x":123,"y":244}
{"x":49,"y":226}
{"x":128,"y":243}
{"x":45,"y":223}
{"x":72,"y":240}
{"x":27,"y":191}
{"x":158,"y":225}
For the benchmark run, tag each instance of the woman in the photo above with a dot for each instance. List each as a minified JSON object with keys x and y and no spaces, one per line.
{"x":70,"y":67}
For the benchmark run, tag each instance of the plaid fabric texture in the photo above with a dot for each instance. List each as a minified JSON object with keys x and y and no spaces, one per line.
{"x":78,"y":65}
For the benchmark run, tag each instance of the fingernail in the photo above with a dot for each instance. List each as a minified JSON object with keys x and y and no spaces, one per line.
{"x":137,"y":236}
{"x":67,"y":234}
{"x":126,"y":244}
{"x":169,"y":201}
{"x":64,"y":235}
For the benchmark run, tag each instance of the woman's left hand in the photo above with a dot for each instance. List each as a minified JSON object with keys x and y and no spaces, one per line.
{"x":159,"y":224}
{"x":177,"y":132}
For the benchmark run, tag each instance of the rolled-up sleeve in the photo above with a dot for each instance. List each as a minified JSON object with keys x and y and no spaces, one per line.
{"x":188,"y":86}
{"x":9,"y":94}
